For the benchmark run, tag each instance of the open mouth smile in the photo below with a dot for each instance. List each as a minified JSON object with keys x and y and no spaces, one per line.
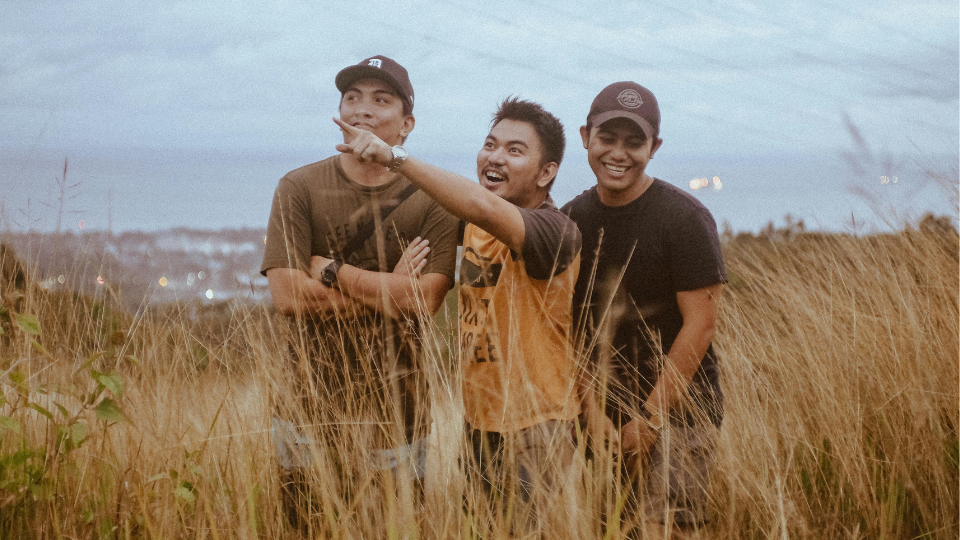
{"x":494,"y":176}
{"x":615,"y":169}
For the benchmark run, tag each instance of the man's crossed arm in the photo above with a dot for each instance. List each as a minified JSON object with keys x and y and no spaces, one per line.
{"x":402,"y":291}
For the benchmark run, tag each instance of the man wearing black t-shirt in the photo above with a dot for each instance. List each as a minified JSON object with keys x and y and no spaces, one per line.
{"x":647,"y":297}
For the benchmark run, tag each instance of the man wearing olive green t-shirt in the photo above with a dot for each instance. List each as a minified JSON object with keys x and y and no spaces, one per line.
{"x":388,"y":260}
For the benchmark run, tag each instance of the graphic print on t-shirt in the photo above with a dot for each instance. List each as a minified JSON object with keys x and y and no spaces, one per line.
{"x":481,"y":274}
{"x":339,"y":235}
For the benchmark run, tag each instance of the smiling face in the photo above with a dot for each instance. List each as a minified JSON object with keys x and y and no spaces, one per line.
{"x":509,"y":164}
{"x":618,"y":152}
{"x":371,"y":104}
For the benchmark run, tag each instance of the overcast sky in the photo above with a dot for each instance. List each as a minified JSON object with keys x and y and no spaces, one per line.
{"x":127,"y":89}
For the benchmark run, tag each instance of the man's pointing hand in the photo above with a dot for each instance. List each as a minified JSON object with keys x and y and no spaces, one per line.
{"x":364,"y":145}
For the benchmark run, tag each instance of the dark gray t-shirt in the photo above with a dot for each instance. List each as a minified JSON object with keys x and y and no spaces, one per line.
{"x":664,"y":242}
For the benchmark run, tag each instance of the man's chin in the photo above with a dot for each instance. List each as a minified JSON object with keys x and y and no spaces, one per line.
{"x":491,"y":186}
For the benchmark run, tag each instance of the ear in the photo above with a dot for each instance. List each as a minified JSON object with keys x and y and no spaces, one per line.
{"x":547,"y":173}
{"x":408,"y":123}
{"x":656,"y":146}
{"x":585,"y":135}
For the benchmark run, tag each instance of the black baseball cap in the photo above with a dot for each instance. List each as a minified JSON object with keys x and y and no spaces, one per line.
{"x":378,"y":67}
{"x":628,"y":100}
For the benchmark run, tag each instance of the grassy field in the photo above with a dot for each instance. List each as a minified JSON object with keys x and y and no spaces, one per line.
{"x":839,"y":361}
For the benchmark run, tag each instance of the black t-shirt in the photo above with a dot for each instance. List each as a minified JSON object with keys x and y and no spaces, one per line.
{"x":662,"y":243}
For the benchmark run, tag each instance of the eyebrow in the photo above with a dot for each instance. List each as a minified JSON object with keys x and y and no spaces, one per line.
{"x":633,"y":135}
{"x":375,"y":92}
{"x":508,"y":143}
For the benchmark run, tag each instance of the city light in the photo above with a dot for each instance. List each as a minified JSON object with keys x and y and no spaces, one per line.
{"x":889,"y":179}
{"x":209,"y":294}
{"x":81,"y":224}
{"x":700,"y":183}
{"x":201,"y":274}
{"x":163,"y":282}
{"x":61,"y":279}
{"x":100,"y":280}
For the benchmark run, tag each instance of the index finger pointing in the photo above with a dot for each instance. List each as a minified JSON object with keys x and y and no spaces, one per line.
{"x":347,"y":128}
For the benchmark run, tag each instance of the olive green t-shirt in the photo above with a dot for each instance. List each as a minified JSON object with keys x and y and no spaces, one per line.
{"x":350,"y":364}
{"x":317,"y":210}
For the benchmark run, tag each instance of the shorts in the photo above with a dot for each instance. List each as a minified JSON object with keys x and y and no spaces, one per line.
{"x":293,"y":451}
{"x":541,"y":453}
{"x":677,"y":475}
{"x":535,"y":466}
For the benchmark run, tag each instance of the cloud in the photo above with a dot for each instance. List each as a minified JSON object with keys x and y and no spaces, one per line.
{"x":228,"y":72}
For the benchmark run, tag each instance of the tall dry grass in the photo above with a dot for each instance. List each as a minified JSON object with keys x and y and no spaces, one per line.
{"x":839,"y":363}
{"x":840,"y":360}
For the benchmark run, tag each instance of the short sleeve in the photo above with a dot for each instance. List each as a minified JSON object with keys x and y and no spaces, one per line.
{"x":289,"y":229}
{"x":694,"y":254}
{"x":440,"y":229}
{"x":551,"y":242}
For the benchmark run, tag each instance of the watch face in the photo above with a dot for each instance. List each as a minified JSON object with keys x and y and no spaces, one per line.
{"x":329,"y":275}
{"x":399,"y":156}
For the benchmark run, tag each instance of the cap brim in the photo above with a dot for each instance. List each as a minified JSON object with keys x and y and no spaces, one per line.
{"x":640,"y":121}
{"x":349,"y":75}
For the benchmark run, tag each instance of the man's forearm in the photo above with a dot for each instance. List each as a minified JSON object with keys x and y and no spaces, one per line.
{"x":394,"y":294}
{"x":679,"y":367}
{"x":464,"y":199}
{"x":468,"y":201}
{"x":699,"y":309}
{"x":296,"y":293}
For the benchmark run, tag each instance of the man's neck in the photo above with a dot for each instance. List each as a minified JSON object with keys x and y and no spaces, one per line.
{"x":627,"y":196}
{"x":366,"y":173}
{"x":537,"y":202}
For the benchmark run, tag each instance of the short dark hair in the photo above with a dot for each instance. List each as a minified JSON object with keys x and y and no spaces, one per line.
{"x":548,"y":127}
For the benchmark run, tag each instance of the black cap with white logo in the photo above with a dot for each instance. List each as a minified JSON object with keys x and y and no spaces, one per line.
{"x":626,"y":100}
{"x":378,"y":67}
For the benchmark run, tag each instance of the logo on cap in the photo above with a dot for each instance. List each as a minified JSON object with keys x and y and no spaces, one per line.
{"x":376,"y":62}
{"x":630,"y":99}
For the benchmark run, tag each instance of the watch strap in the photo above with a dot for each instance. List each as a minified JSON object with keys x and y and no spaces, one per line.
{"x":328,"y":276}
{"x":400,"y":155}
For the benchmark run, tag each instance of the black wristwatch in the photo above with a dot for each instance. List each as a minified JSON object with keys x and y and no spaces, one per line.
{"x":328,"y":276}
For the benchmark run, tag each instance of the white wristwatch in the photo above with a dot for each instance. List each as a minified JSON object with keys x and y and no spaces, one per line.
{"x":400,"y":155}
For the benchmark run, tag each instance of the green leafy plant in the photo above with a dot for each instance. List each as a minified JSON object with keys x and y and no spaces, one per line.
{"x":36,"y":464}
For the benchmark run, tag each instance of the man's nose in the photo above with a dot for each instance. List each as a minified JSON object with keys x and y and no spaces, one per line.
{"x":362,"y":108}
{"x":618,"y":150}
{"x":498,"y":156}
